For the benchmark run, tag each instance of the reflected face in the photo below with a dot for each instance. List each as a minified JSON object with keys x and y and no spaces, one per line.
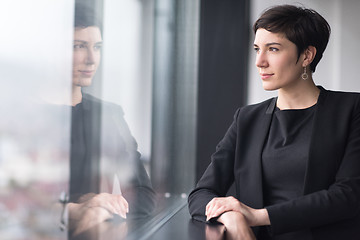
{"x":277,"y":60}
{"x":86,"y":55}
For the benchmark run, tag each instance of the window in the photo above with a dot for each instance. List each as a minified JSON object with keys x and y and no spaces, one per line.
{"x":131,"y":132}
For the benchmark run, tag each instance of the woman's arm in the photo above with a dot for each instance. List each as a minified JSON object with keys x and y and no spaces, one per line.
{"x":338,"y":202}
{"x":254,"y":217}
{"x":218,"y":177}
{"x":93,"y":209}
{"x":137,"y":189}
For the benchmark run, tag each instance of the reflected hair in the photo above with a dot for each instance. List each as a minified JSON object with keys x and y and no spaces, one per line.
{"x":302,"y":26}
{"x":85,"y":16}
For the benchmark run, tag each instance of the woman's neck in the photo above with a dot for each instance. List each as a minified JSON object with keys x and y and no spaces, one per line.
{"x":299,"y":97}
{"x":76,"y":95}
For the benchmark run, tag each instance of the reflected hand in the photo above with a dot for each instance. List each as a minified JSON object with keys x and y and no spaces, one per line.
{"x":214,"y":232}
{"x":220,"y":205}
{"x":94,"y":209}
{"x":115,"y":204}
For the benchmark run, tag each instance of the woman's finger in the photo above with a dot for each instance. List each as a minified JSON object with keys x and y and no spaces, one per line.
{"x":218,"y":206}
{"x":121,"y":205}
{"x":215,"y":208}
{"x":124,"y":203}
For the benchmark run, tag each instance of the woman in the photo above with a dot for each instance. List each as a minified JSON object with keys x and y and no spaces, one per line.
{"x":107,"y":178}
{"x":295,"y":159}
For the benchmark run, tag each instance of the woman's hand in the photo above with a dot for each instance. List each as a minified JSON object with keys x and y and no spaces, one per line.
{"x":236,"y":226}
{"x":254,"y":217}
{"x":94,"y":209}
{"x":113,"y":203}
{"x":219,"y":205}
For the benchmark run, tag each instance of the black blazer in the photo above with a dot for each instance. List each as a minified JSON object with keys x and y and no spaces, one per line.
{"x":330,"y":205}
{"x":100,"y":132}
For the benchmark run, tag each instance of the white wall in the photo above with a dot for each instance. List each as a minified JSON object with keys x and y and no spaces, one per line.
{"x":338,"y":68}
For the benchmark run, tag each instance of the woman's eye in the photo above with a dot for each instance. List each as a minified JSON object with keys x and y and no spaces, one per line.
{"x":272,"y":49}
{"x":78,"y":46}
{"x":97,"y":47}
{"x":256,"y":49}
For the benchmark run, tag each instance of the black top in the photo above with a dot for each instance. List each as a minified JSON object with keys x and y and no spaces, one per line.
{"x":77,"y":154}
{"x":84,"y":150}
{"x":285,"y":155}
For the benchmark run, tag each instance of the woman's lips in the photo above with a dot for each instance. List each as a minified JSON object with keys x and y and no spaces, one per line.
{"x":265,"y":75}
{"x":87,"y":73}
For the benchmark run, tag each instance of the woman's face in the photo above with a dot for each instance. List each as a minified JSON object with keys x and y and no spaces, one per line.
{"x":86,"y":55}
{"x":277,"y":60}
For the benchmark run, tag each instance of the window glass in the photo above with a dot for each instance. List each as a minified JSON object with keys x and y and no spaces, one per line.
{"x":35,"y":61}
{"x":98,"y":135}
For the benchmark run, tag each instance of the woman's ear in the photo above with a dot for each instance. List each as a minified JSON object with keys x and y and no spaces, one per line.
{"x":309,"y":55}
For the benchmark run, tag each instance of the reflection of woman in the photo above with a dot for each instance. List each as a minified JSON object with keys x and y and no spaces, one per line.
{"x":295,"y":159}
{"x":118,"y":184}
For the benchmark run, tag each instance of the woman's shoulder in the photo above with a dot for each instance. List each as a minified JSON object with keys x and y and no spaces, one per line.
{"x":93,"y":102}
{"x":255,"y":111}
{"x":338,"y":92}
{"x":263,"y":106}
{"x":339,"y":97}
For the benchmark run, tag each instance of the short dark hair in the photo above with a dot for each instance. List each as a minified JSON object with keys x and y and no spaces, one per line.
{"x":302,"y":26}
{"x":85,"y":16}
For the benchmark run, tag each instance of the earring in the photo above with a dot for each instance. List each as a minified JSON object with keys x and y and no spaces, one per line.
{"x":304,"y":76}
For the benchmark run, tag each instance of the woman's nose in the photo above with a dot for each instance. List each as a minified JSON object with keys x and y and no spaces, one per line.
{"x":261,"y":60}
{"x":90,"y":58}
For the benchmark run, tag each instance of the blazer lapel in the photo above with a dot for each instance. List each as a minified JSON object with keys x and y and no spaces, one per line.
{"x":253,"y":189}
{"x":319,"y":167}
{"x":92,"y":125}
